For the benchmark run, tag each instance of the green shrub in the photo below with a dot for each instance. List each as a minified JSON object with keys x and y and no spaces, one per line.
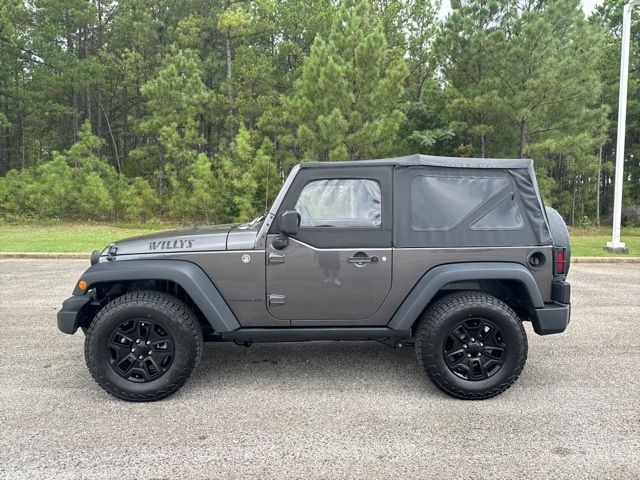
{"x":631,"y":216}
{"x":139,"y":199}
{"x":584,"y":222}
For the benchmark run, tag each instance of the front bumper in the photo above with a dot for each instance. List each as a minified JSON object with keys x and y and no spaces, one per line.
{"x":71,"y":313}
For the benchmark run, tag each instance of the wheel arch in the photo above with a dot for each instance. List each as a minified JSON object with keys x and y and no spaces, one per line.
{"x":449,"y":278}
{"x":189,"y":277}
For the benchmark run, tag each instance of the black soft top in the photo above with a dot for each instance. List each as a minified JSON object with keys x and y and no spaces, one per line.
{"x":431,"y":161}
{"x":455,"y":201}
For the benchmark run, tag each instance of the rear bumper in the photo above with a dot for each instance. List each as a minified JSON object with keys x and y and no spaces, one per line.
{"x":552,"y":318}
{"x":69,"y":315}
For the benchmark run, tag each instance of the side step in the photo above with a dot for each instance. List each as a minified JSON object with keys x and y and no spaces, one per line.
{"x":304,"y":334}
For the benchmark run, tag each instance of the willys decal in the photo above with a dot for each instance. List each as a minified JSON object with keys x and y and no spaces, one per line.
{"x":171,"y":245}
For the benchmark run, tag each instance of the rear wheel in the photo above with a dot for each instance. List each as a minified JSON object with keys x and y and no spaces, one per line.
{"x":143,"y":346}
{"x":471,"y":345}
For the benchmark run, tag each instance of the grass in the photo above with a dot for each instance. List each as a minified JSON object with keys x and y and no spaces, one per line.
{"x":591,"y":242}
{"x":80,"y":238}
{"x":65,"y":237}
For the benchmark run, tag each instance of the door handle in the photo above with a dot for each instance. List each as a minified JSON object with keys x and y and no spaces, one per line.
{"x":362,"y":259}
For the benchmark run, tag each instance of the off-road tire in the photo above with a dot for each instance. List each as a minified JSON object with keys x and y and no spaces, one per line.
{"x":442,"y":316}
{"x":174,"y":315}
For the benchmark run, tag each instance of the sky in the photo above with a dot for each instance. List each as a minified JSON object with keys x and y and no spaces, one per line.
{"x":587,"y":5}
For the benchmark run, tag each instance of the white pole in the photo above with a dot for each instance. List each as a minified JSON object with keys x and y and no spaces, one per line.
{"x":615,"y":243}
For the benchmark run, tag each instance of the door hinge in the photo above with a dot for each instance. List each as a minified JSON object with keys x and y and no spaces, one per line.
{"x":276,"y":300}
{"x":275,"y":258}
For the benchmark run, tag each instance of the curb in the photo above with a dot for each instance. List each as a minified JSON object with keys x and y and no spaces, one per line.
{"x":86,"y":256}
{"x":605,"y":259}
{"x":45,"y":255}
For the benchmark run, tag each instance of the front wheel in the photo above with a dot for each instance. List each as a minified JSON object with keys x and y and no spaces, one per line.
{"x":143,"y":346}
{"x":471,"y":345}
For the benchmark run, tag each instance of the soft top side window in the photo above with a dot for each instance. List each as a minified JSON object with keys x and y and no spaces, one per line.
{"x":340,"y":203}
{"x":440,"y":203}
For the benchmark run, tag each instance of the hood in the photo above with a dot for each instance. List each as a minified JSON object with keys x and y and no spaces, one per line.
{"x":195,"y":239}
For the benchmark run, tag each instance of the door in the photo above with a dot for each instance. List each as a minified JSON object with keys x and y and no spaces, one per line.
{"x":337,"y":268}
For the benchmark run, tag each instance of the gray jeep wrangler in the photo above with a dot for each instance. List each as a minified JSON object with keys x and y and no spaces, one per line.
{"x":449,"y":254}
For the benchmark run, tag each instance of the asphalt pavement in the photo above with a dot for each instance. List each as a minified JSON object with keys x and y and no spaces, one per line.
{"x":322,"y":409}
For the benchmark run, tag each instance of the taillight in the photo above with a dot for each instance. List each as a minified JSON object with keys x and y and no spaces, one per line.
{"x":559,"y":260}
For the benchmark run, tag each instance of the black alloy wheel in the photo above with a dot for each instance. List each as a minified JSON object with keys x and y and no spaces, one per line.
{"x":140,"y":350}
{"x":475,"y":349}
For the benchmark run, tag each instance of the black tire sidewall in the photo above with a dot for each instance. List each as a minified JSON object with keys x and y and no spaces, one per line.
{"x":184,"y":343}
{"x":513,"y":334}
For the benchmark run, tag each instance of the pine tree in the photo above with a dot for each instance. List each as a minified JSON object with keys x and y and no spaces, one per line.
{"x":466,"y":49}
{"x":176,"y":96}
{"x":346,"y":104}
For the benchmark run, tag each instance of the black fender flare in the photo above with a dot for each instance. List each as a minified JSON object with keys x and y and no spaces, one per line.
{"x":188,"y":275}
{"x":436,"y":278}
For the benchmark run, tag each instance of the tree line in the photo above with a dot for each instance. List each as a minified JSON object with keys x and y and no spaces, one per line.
{"x":197,"y":110}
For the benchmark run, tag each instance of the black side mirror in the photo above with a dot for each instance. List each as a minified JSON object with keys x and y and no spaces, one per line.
{"x":288,"y":225}
{"x":289,"y":222}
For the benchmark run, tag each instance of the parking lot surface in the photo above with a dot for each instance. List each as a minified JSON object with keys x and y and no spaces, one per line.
{"x":322,"y":409}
